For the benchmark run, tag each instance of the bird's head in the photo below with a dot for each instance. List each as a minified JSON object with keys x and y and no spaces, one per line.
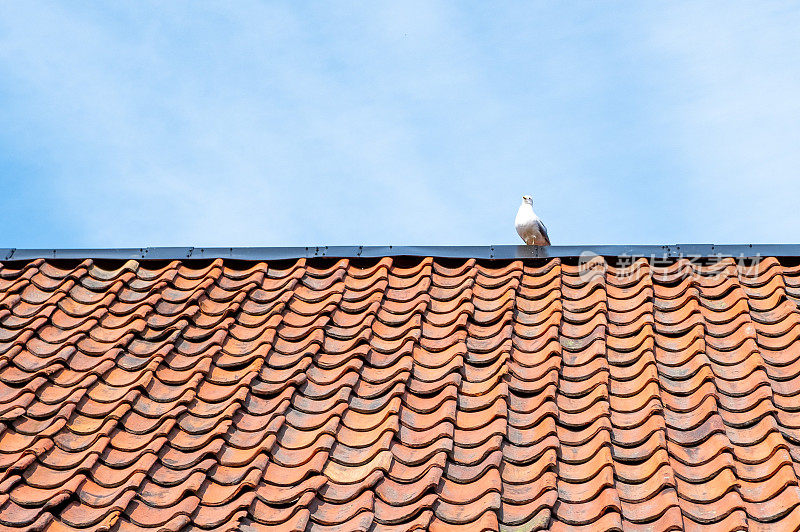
{"x":527,"y":199}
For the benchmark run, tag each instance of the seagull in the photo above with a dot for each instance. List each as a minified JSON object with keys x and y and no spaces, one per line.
{"x":529,"y":227}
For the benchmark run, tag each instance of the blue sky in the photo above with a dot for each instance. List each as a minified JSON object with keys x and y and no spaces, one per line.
{"x":277,"y":124}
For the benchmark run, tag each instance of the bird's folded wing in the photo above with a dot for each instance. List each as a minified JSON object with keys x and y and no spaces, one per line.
{"x":543,"y":231}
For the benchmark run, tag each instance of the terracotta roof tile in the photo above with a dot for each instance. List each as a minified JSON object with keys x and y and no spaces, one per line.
{"x":399,"y":394}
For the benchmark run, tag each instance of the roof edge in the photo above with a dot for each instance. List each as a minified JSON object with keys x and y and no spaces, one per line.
{"x":457,"y":252}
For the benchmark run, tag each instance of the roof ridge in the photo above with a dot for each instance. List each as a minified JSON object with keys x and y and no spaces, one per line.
{"x":670,"y":251}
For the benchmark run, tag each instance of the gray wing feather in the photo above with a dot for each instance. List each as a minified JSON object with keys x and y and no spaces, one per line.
{"x":543,"y":230}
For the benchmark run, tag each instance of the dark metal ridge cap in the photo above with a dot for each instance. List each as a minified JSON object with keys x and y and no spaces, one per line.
{"x":460,"y":252}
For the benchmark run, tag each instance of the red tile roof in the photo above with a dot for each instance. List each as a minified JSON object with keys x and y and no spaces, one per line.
{"x":399,"y":394}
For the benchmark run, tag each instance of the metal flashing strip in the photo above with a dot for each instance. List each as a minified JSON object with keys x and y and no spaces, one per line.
{"x":456,"y":252}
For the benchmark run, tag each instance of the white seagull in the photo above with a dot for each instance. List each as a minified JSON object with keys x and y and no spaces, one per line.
{"x":529,"y":227}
